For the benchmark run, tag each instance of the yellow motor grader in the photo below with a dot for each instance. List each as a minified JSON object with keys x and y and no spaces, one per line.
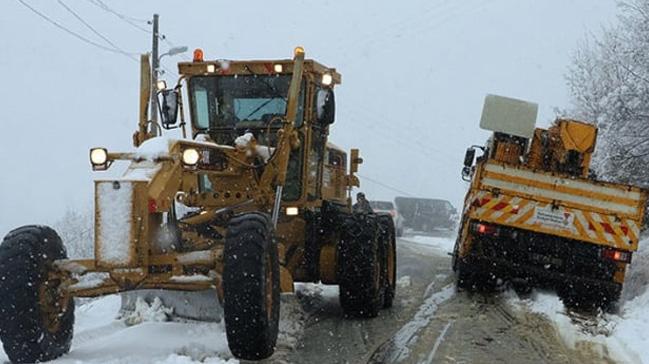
{"x":253,"y":200}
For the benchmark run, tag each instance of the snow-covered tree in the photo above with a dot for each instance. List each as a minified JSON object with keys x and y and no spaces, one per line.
{"x":609,"y":83}
{"x":77,"y":232}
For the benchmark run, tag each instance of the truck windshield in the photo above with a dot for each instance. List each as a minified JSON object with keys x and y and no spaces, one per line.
{"x":232,"y":104}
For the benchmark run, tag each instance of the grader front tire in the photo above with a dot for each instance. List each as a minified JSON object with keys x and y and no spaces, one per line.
{"x":251,"y":287}
{"x":34,"y":327}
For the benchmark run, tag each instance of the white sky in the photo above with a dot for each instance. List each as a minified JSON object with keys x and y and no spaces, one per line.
{"x":414,"y":72}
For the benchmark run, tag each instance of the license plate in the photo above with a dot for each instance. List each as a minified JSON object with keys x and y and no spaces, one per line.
{"x":546,"y":260}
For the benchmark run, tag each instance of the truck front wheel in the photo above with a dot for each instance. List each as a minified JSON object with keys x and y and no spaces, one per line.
{"x":251,"y":287}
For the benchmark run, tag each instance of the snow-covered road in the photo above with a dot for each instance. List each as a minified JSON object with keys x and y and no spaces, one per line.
{"x":429,"y":323}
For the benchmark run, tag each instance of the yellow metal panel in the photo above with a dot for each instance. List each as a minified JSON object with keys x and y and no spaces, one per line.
{"x":560,"y":188}
{"x":579,"y":224}
{"x":120,"y":235}
{"x":285,"y":280}
{"x":620,"y":273}
{"x":328,"y":264}
{"x":578,"y":193}
{"x":578,"y":136}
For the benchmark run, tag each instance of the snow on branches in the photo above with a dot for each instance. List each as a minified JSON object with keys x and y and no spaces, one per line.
{"x":609,"y":84}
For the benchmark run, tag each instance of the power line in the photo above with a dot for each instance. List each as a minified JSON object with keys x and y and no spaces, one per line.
{"x":394,"y":189}
{"x":128,"y":54}
{"x":72,"y":33}
{"x":122,"y":15}
{"x":131,"y":21}
{"x":127,"y":19}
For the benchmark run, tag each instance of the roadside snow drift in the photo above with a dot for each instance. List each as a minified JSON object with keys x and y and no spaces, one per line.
{"x":151,"y":334}
{"x":100,"y":337}
{"x":625,"y":335}
{"x":442,"y":244}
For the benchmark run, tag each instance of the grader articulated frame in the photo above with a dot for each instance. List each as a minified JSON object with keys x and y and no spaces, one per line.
{"x":266,"y":202}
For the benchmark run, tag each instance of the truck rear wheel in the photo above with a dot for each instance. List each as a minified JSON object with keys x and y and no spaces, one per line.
{"x":359,"y":267}
{"x":389,"y":260}
{"x":464,"y":278}
{"x":583,"y":298}
{"x":35,"y":325}
{"x":251,"y":287}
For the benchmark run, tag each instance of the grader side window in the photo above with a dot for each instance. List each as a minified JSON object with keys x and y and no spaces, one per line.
{"x":201,"y":106}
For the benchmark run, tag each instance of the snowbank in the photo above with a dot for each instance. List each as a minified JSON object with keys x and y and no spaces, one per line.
{"x":152,"y":334}
{"x":625,"y":335}
{"x":101,"y":337}
{"x":442,"y":243}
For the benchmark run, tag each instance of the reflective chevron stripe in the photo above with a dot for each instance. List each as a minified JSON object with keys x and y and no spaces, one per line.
{"x":542,"y":217}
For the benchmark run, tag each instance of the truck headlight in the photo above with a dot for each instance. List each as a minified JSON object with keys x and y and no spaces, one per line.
{"x":190,"y":156}
{"x":99,"y":158}
{"x":292,"y":211}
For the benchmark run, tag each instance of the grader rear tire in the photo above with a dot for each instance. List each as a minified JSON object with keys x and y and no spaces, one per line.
{"x":251,"y":287}
{"x":360,"y":267}
{"x":33,"y":328}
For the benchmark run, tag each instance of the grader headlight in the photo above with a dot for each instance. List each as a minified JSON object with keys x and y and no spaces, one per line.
{"x":99,"y":159}
{"x":327,"y":79}
{"x":161,"y":85}
{"x":190,"y":157}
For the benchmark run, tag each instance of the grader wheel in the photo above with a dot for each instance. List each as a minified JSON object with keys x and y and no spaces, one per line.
{"x":388,"y":259}
{"x":251,"y":287}
{"x":35,"y":325}
{"x":360,"y":268}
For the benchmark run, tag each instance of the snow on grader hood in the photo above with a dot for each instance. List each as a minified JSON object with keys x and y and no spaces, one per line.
{"x":256,"y":199}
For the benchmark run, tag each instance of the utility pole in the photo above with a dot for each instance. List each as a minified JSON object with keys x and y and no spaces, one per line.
{"x":155,"y":67}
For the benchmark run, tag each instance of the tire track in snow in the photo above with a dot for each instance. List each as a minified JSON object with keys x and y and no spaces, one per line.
{"x":397,"y":348}
{"x":439,"y":340}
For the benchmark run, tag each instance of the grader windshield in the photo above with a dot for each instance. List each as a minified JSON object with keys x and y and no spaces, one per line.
{"x":226,"y":106}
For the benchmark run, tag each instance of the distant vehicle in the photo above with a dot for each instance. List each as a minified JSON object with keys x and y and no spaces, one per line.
{"x":388,"y":206}
{"x":426,"y":214}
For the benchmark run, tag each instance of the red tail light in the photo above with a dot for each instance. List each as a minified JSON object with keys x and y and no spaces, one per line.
{"x":485,"y":229}
{"x":616,"y":255}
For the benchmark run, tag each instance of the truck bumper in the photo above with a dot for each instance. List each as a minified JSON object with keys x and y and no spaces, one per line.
{"x":536,"y":276}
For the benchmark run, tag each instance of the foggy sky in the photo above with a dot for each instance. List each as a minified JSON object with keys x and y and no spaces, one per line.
{"x":414,"y":77}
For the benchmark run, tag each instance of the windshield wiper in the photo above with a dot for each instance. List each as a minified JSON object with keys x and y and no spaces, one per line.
{"x":259,"y":108}
{"x":275,"y":93}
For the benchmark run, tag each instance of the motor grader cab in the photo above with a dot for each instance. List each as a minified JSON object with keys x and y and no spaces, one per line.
{"x":250,"y":199}
{"x":534,"y":215}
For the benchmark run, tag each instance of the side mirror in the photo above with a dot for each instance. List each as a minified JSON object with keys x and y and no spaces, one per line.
{"x":466,"y":173}
{"x":325,"y":106}
{"x":468,"y":157}
{"x":168,"y":105}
